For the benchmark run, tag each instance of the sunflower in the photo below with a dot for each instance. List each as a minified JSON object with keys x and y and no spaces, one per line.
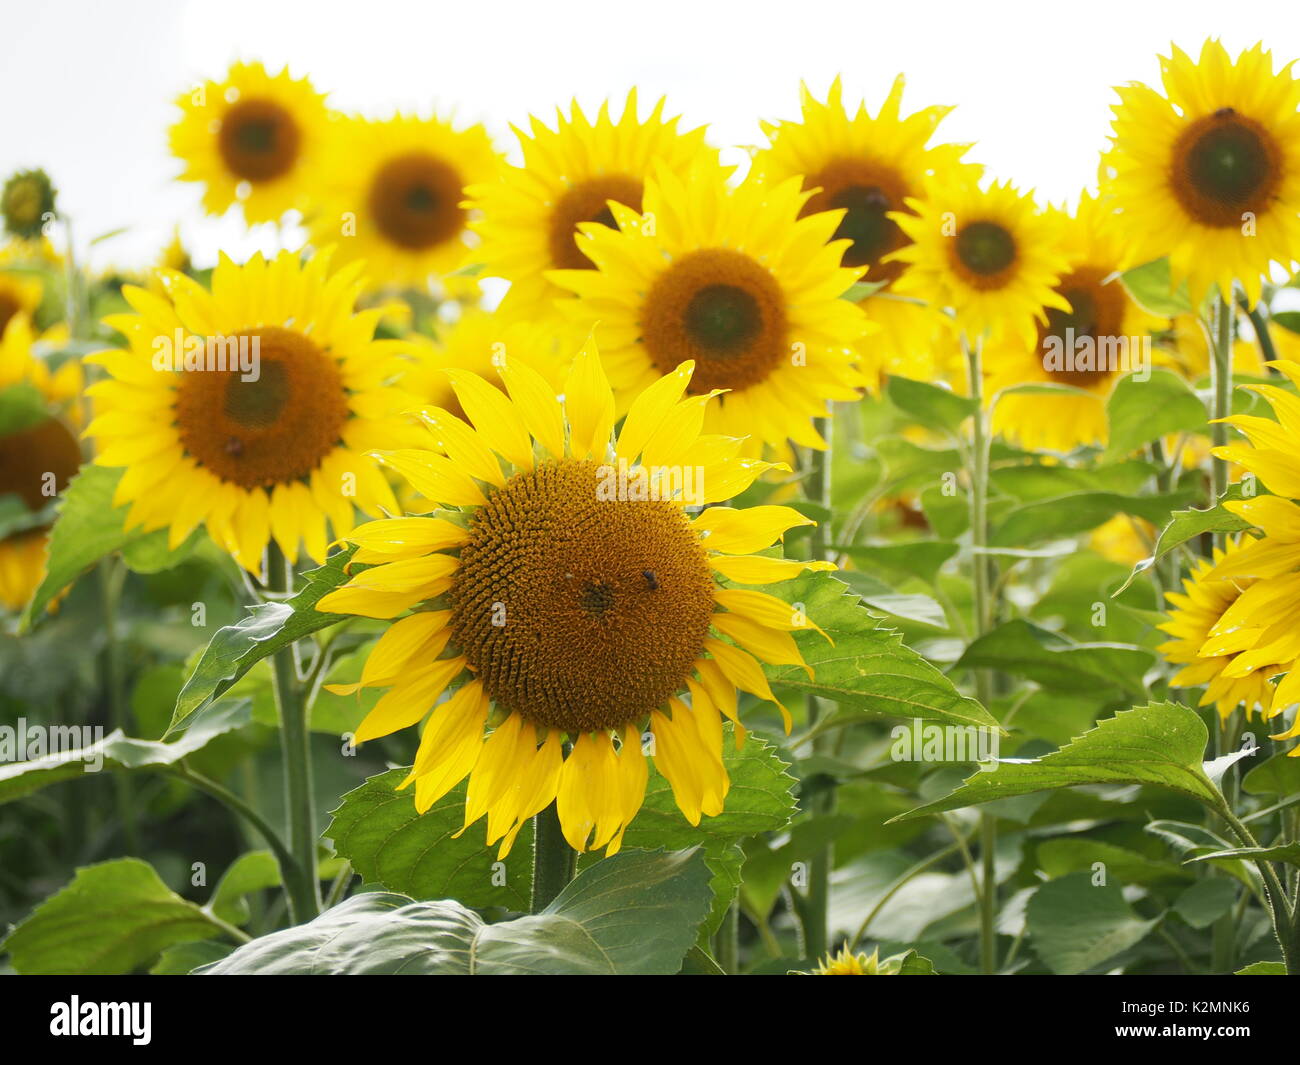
{"x":732,"y":279}
{"x":1209,"y":172}
{"x":1210,"y":645}
{"x":477,"y":341}
{"x":27,"y":202}
{"x":868,"y":166}
{"x":20,"y":296}
{"x":570,"y":175}
{"x":987,"y":253}
{"x":38,"y":456}
{"x":575,"y":612}
{"x":256,"y":455}
{"x":1101,"y":336}
{"x":253,"y":139}
{"x":393,"y":191}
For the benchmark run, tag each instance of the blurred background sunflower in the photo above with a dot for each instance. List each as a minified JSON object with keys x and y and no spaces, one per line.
{"x":253,"y":138}
{"x":391,"y":194}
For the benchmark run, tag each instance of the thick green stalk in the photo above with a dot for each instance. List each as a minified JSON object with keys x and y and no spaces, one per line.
{"x":554,"y":861}
{"x":815,"y":911}
{"x":1221,"y":379}
{"x":982,"y":607}
{"x":302,"y":886}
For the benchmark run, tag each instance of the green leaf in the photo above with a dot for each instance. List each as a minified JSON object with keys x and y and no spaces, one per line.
{"x":1151,"y":287}
{"x":113,"y":918}
{"x":930,"y":405}
{"x":1074,"y":854}
{"x":895,"y":562}
{"x":388,"y":843}
{"x":1068,"y":515}
{"x":868,"y":670}
{"x":1280,"y":775}
{"x":1281,"y":852}
{"x":117,"y":751}
{"x":1159,"y":744}
{"x":1206,"y":901}
{"x":633,"y":914}
{"x":1263,"y":968}
{"x":879,"y":597}
{"x":21,"y":407}
{"x":1051,"y":660}
{"x":1185,"y":525}
{"x":184,"y":958}
{"x":1075,"y":925}
{"x":89,"y":528}
{"x":249,"y":873}
{"x":1191,"y":841}
{"x":761,"y":799}
{"x":377,"y":828}
{"x":1188,"y":524}
{"x":1142,"y":411}
{"x":235,"y":649}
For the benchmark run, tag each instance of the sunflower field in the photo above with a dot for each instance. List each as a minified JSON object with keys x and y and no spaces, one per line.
{"x":585,"y":555}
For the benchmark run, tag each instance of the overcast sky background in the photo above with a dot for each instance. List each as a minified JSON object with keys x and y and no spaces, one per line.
{"x":87,"y":87}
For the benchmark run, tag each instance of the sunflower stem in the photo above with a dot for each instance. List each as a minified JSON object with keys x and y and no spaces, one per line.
{"x":301,"y":883}
{"x":982,"y":607}
{"x":554,"y":861}
{"x":1221,"y":376}
{"x":112,"y":576}
{"x":815,"y":912}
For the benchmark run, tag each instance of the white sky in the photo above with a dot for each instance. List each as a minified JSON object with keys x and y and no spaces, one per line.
{"x":86,"y":88}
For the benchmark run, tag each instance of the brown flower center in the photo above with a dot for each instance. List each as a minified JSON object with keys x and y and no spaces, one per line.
{"x":983,"y":253}
{"x":722,"y":309}
{"x":580,"y":612}
{"x":587,"y":201}
{"x":1225,"y":167}
{"x":866,"y":191}
{"x":1096,"y":315}
{"x":274,"y":430}
{"x":259,"y":140}
{"x":36,"y":463}
{"x":415,"y":200}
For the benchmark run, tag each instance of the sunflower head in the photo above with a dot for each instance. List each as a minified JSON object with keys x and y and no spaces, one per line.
{"x":1086,"y":346}
{"x":847,"y":963}
{"x":987,"y":253}
{"x":560,"y":589}
{"x":27,"y":202}
{"x":250,"y":408}
{"x":1208,"y":171}
{"x":1216,"y":638}
{"x":393,"y":194}
{"x":253,"y":138}
{"x":39,"y":454}
{"x":571,"y":175}
{"x":732,"y":279}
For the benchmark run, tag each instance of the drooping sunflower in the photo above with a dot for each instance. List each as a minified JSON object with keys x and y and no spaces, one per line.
{"x":272,"y":453}
{"x":38,"y":456}
{"x":254,"y":139}
{"x":987,"y":253}
{"x":1211,"y":649}
{"x":393,"y":194}
{"x":1101,"y":336}
{"x":1208,"y":172}
{"x":732,"y":279}
{"x":529,"y":219}
{"x":869,"y":166}
{"x":576,"y":613}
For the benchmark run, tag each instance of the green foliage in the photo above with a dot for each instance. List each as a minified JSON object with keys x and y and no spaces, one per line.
{"x":632,"y":914}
